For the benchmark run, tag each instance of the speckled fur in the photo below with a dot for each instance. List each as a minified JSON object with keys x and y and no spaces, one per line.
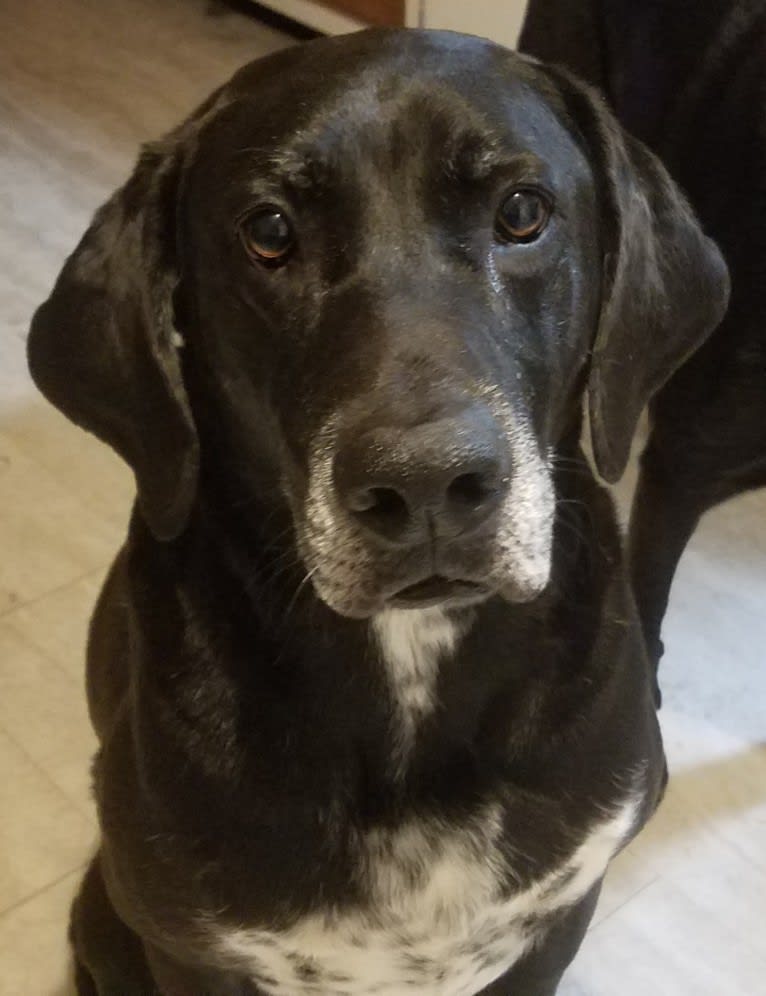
{"x":437,"y":921}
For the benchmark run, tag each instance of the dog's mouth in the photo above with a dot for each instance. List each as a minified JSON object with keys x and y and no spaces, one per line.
{"x":438,"y":590}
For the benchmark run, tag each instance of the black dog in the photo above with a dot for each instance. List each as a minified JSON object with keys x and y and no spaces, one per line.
{"x":689,"y":79}
{"x":372,"y":696}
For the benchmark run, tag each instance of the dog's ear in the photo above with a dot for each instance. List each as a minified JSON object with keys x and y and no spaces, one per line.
{"x":103,"y":348}
{"x":665,"y":286}
{"x":567,"y":33}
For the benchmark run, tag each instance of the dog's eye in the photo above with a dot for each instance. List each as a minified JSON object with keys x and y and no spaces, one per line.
{"x":522,"y":216}
{"x":267,"y":235}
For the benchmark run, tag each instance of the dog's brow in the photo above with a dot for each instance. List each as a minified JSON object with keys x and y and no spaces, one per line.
{"x":471,"y":155}
{"x":474,"y":156}
{"x":301,"y":168}
{"x":477,"y":159}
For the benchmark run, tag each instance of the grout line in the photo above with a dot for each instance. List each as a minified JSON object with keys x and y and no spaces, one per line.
{"x":733,"y":846}
{"x":36,"y":893}
{"x":91,"y":819}
{"x":51,"y":658}
{"x":4,"y":613}
{"x":592,"y":930}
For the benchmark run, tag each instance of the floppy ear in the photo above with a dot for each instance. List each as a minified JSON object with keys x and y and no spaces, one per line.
{"x":569,"y":33}
{"x":665,"y":285}
{"x":103,"y":347}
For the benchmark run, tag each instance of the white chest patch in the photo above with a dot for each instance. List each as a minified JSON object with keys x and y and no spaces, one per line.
{"x":436,"y":920}
{"x":411,"y":644}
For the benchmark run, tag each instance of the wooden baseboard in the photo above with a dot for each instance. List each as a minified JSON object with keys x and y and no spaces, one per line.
{"x":389,"y":13}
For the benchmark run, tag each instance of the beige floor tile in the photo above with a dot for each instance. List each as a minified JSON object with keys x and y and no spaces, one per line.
{"x":56,"y":624}
{"x":672,"y":940}
{"x":42,"y":834}
{"x":43,"y":709}
{"x":719,"y":780}
{"x":685,"y":904}
{"x":82,"y":465}
{"x":34,"y":955}
{"x":628,"y":875}
{"x":47,"y":537}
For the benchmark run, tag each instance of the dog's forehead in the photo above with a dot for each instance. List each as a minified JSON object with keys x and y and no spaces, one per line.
{"x":331,"y":102}
{"x":322,"y":68}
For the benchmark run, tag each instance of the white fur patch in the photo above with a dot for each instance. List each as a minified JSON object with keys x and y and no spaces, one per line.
{"x":411,"y":643}
{"x":333,"y":547}
{"x":522,"y":557}
{"x":434,"y":921}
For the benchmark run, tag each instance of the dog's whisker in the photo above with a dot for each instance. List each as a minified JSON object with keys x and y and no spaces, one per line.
{"x":570,"y":502}
{"x":298,"y":590}
{"x":286,"y":559}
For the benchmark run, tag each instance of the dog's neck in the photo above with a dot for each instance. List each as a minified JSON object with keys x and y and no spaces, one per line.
{"x":412,"y":643}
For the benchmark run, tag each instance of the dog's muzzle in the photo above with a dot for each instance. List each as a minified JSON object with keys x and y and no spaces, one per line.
{"x":445,"y":511}
{"x":422,"y":490}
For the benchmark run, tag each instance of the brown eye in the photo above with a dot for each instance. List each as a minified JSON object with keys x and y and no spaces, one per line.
{"x":267,"y":235}
{"x":522,"y":216}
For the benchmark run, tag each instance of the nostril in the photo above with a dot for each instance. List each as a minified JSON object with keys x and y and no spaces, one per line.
{"x":379,"y":504}
{"x":470,"y":490}
{"x":361,"y":499}
{"x":387,"y":501}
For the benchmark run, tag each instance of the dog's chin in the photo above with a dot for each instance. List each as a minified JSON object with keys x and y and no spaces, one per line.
{"x":358,"y":582}
{"x":437,"y":590}
{"x":431,"y":591}
{"x":427,"y":596}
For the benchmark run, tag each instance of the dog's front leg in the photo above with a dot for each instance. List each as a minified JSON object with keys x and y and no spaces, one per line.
{"x":109,"y":958}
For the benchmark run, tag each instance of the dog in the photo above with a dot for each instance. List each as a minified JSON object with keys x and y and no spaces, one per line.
{"x":689,"y":82}
{"x":372,"y":696}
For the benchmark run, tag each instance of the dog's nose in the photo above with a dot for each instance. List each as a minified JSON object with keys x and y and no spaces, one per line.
{"x":439,"y":479}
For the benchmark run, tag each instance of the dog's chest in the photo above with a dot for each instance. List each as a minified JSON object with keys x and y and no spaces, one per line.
{"x":439,"y":917}
{"x":438,"y":914}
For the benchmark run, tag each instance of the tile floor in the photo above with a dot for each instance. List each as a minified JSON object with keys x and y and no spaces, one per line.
{"x":81,"y":83}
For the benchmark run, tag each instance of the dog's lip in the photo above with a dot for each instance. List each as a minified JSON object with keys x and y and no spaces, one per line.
{"x":436,"y":590}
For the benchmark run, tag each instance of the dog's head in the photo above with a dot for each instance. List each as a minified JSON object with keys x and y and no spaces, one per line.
{"x":383,"y":269}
